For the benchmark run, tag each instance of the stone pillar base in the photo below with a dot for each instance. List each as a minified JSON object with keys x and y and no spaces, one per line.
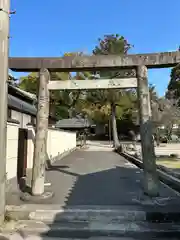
{"x":27,"y":197}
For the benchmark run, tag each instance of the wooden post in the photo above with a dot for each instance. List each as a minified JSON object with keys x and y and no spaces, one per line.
{"x":39,"y":158}
{"x":151,"y":182}
{"x":4,"y":54}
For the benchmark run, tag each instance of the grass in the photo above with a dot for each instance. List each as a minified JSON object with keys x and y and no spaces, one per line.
{"x":172,"y":163}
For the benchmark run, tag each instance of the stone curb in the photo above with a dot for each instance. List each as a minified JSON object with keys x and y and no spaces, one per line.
{"x":18,"y":236}
{"x":27,"y":197}
{"x":168,"y":171}
{"x":98,"y":229}
{"x":51,"y":213}
{"x":164,"y":177}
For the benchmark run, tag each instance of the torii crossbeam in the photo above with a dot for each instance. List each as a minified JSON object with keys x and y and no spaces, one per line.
{"x":89,"y":63}
{"x":93,"y":84}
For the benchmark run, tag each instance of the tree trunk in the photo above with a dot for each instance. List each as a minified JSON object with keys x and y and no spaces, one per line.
{"x":70,"y":111}
{"x":39,"y":158}
{"x":133,"y":138}
{"x":157,"y":136}
{"x":116,"y":143}
{"x":52,"y":109}
{"x":169,"y":131}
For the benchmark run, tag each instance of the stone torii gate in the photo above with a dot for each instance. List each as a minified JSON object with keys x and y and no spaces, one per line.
{"x":140,"y":62}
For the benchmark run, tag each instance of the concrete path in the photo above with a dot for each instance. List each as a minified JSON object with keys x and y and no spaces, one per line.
{"x":94,"y":176}
{"x":98,"y":195}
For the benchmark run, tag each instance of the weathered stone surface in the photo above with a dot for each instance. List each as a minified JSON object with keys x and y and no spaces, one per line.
{"x":93,"y":84}
{"x":151,"y":182}
{"x":40,"y":144}
{"x":74,"y":230}
{"x":91,"y":63}
{"x":26,"y":197}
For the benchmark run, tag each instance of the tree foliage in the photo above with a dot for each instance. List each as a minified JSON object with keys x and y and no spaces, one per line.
{"x":30,"y":84}
{"x":165,"y":112}
{"x":174,"y":84}
{"x":173,"y":90}
{"x":95,"y":104}
{"x":108,"y":100}
{"x":172,"y":96}
{"x":62,"y":103}
{"x":111,"y":45}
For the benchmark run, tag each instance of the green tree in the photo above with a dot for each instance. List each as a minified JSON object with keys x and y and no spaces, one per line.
{"x":156,"y":112}
{"x":173,"y":91}
{"x":171,"y":106}
{"x":62,"y":103}
{"x":155,"y":105}
{"x":170,"y":115}
{"x":58,"y":99}
{"x":112,"y":44}
{"x":29,"y":83}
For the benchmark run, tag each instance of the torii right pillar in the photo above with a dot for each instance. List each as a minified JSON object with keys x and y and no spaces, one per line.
{"x":151,"y":181}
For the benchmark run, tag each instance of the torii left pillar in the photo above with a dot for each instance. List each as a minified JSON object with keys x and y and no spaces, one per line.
{"x":40,"y":146}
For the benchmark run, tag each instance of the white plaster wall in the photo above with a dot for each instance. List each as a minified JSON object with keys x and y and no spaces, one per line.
{"x":16,"y":116}
{"x":12,"y":150}
{"x":58,"y":142}
{"x":30,"y":146}
{"x":23,"y":118}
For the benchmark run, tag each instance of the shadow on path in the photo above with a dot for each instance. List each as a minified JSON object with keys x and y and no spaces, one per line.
{"x":95,"y":180}
{"x":118,"y":186}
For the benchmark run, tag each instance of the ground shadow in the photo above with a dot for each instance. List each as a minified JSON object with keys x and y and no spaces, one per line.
{"x":60,"y":169}
{"x":117,"y":186}
{"x":104,"y":188}
{"x":25,"y":183}
{"x":18,"y":186}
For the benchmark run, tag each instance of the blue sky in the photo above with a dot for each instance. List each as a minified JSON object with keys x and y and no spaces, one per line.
{"x":50,"y":28}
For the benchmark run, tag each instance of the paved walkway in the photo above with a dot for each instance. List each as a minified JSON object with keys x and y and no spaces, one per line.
{"x":93,"y":176}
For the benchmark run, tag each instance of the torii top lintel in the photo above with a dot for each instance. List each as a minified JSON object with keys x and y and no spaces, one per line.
{"x":91,"y":63}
